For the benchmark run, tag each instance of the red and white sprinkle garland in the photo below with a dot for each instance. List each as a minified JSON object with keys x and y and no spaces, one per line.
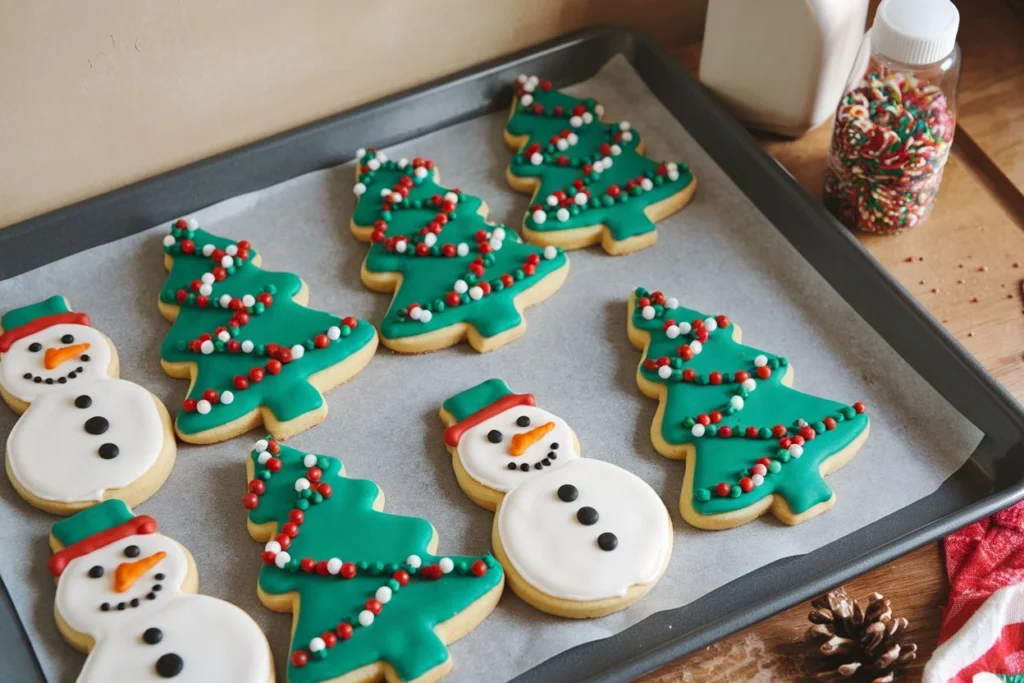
{"x":791,"y":441}
{"x":311,"y":491}
{"x":426,"y":241}
{"x":199,"y":294}
{"x":570,"y":201}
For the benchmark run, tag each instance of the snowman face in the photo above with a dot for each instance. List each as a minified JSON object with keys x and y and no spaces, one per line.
{"x":506,"y":450}
{"x":120,"y":582}
{"x":586,"y":531}
{"x":53,"y":359}
{"x":74,"y":445}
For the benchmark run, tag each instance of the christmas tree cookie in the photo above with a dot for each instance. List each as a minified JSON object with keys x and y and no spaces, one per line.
{"x":752,"y":444}
{"x":589,"y":179}
{"x":577,"y":537}
{"x":253,"y":351}
{"x":126,"y":596}
{"x":370,"y":596}
{"x":454,"y":274}
{"x":85,"y":436}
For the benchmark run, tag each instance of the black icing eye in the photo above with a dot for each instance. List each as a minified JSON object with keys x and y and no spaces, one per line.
{"x":607,"y":541}
{"x":523,"y":421}
{"x":587,"y":515}
{"x":109,"y":451}
{"x":67,"y":339}
{"x":494,"y":436}
{"x":567,"y":493}
{"x":95,"y":572}
{"x":35,"y":347}
{"x":83,"y":401}
{"x":132,"y":551}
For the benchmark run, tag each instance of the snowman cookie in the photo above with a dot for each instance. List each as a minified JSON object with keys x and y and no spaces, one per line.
{"x":125,"y":595}
{"x":577,"y":537}
{"x":84,"y":436}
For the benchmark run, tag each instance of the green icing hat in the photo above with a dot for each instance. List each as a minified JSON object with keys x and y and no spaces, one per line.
{"x":473,"y":406}
{"x":30,"y":319}
{"x":93,"y":528}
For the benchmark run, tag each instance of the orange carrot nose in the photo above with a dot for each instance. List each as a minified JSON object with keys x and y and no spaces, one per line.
{"x":520,"y":442}
{"x":128,"y":573}
{"x":55,"y":357}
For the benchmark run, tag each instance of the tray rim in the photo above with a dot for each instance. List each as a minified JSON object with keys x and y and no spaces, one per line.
{"x":137,"y":207}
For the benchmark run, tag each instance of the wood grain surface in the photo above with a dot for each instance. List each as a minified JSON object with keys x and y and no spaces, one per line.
{"x":965,"y":265}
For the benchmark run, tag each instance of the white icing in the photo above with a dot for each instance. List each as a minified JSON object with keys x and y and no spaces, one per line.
{"x":52,"y":456}
{"x":19,"y":360}
{"x":557,"y":554}
{"x":216,"y":640}
{"x":488,"y":462}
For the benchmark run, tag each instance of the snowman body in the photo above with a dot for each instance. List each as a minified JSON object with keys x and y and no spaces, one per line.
{"x":128,"y":597}
{"x":586,"y":531}
{"x":53,"y":359}
{"x":74,"y":445}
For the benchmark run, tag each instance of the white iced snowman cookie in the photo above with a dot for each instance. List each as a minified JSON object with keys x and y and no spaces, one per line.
{"x":85,"y":436}
{"x":584,"y":540}
{"x":577,"y":537}
{"x":125,"y":596}
{"x":499,"y":440}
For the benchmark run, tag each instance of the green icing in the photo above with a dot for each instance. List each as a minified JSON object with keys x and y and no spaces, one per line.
{"x":474,"y":399}
{"x":771,"y":403}
{"x":548,"y":118}
{"x":346,"y":526}
{"x":91,"y":521}
{"x":430,"y":280}
{"x":285,"y":323}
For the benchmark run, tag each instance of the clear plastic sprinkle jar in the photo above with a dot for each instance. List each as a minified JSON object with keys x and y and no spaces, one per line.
{"x":894,"y":125}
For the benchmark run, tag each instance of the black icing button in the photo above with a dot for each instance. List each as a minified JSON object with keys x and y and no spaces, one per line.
{"x":607,"y":541}
{"x":132,"y":551}
{"x":95,"y":572}
{"x":494,"y":436}
{"x":568,"y":493}
{"x":152,"y":636}
{"x":109,"y":451}
{"x":83,"y":401}
{"x":169,"y":665}
{"x":97,"y":425}
{"x":523,"y":421}
{"x":587,"y":515}
{"x":554,"y":445}
{"x":67,"y":339}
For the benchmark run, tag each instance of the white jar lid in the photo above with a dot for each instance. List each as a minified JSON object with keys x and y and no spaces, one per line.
{"x":915,"y":31}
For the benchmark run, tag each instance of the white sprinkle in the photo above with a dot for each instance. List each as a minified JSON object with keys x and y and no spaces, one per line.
{"x":575,"y":121}
{"x":206,"y":347}
{"x":697,"y":430}
{"x":205,"y":290}
{"x":526,"y":100}
{"x":736,"y":402}
{"x":426,"y":316}
{"x":696,"y":346}
{"x":382,"y":157}
{"x":800,"y":422}
{"x":536,"y":158}
{"x":530,"y":85}
{"x":647,"y":313}
{"x":298,"y":351}
{"x":673,"y":175}
{"x":749,"y":384}
{"x":231,"y":249}
{"x":421,"y":172}
{"x":207,"y":278}
{"x":203,"y":407}
{"x":588,"y":117}
{"x":607,"y":161}
{"x":264,"y":457}
{"x":396,"y":198}
{"x":401,"y":246}
{"x":301,"y":484}
{"x":385,"y":192}
{"x":334,"y":565}
{"x":616,"y":150}
{"x":451,"y":197}
{"x":446,"y":565}
{"x":460,"y":286}
{"x":498,"y":233}
{"x":316,"y":644}
{"x":757,"y":479}
{"x":403,"y":162}
{"x":225,"y":300}
{"x":475,"y":292}
{"x":415,"y":312}
{"x":624,"y":126}
{"x":581,"y":198}
{"x":796,"y":450}
{"x":496,"y":244}
{"x":562,"y":144}
{"x":672,"y":302}
{"x":552,"y":200}
{"x":227,"y":397}
{"x":521,"y":78}
{"x":308,"y":460}
{"x":333,"y":332}
{"x":359,"y":189}
{"x":192,"y":223}
{"x":462,"y":249}
{"x":672,"y":331}
{"x":646,"y":185}
{"x":282,"y":559}
{"x":383,"y":595}
{"x":224,"y":335}
{"x":272,"y":547}
{"x":414,"y":561}
{"x":710,"y":324}
{"x":373,"y":164}
{"x":260,"y":446}
{"x":760,"y":361}
{"x":684,"y":327}
{"x":671,"y":166}
{"x":664,"y":372}
{"x":562,"y":214}
{"x":248,"y":300}
{"x":208,"y":249}
{"x":247,"y":346}
{"x":430,"y":239}
{"x":360,"y":153}
{"x":550,"y":252}
{"x":366,"y":617}
{"x":627,"y":136}
{"x":169,"y":241}
{"x":572,"y":138}
{"x":539,"y":217}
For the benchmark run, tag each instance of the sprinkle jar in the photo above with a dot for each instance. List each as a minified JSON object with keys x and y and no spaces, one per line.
{"x":894,"y":125}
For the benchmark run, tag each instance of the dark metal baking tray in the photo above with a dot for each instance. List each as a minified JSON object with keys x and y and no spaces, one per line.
{"x":992,"y":479}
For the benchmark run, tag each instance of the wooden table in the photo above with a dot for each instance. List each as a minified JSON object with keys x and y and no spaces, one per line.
{"x":965,"y":265}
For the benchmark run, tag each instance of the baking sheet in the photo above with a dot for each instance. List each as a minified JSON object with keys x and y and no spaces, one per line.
{"x":718,"y":255}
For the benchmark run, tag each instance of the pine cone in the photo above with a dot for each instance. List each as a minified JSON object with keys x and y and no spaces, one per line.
{"x":857,"y":644}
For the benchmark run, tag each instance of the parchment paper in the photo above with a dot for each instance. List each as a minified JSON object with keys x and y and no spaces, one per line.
{"x":717,"y":255}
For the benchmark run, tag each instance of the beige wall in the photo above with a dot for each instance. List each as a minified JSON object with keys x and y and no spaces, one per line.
{"x":94,"y":95}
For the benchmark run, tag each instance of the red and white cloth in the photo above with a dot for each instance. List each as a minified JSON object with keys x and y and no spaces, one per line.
{"x":983,"y":624}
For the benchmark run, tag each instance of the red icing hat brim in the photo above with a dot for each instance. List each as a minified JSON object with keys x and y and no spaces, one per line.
{"x":455,"y":432}
{"x":143,"y":524}
{"x":8,"y":338}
